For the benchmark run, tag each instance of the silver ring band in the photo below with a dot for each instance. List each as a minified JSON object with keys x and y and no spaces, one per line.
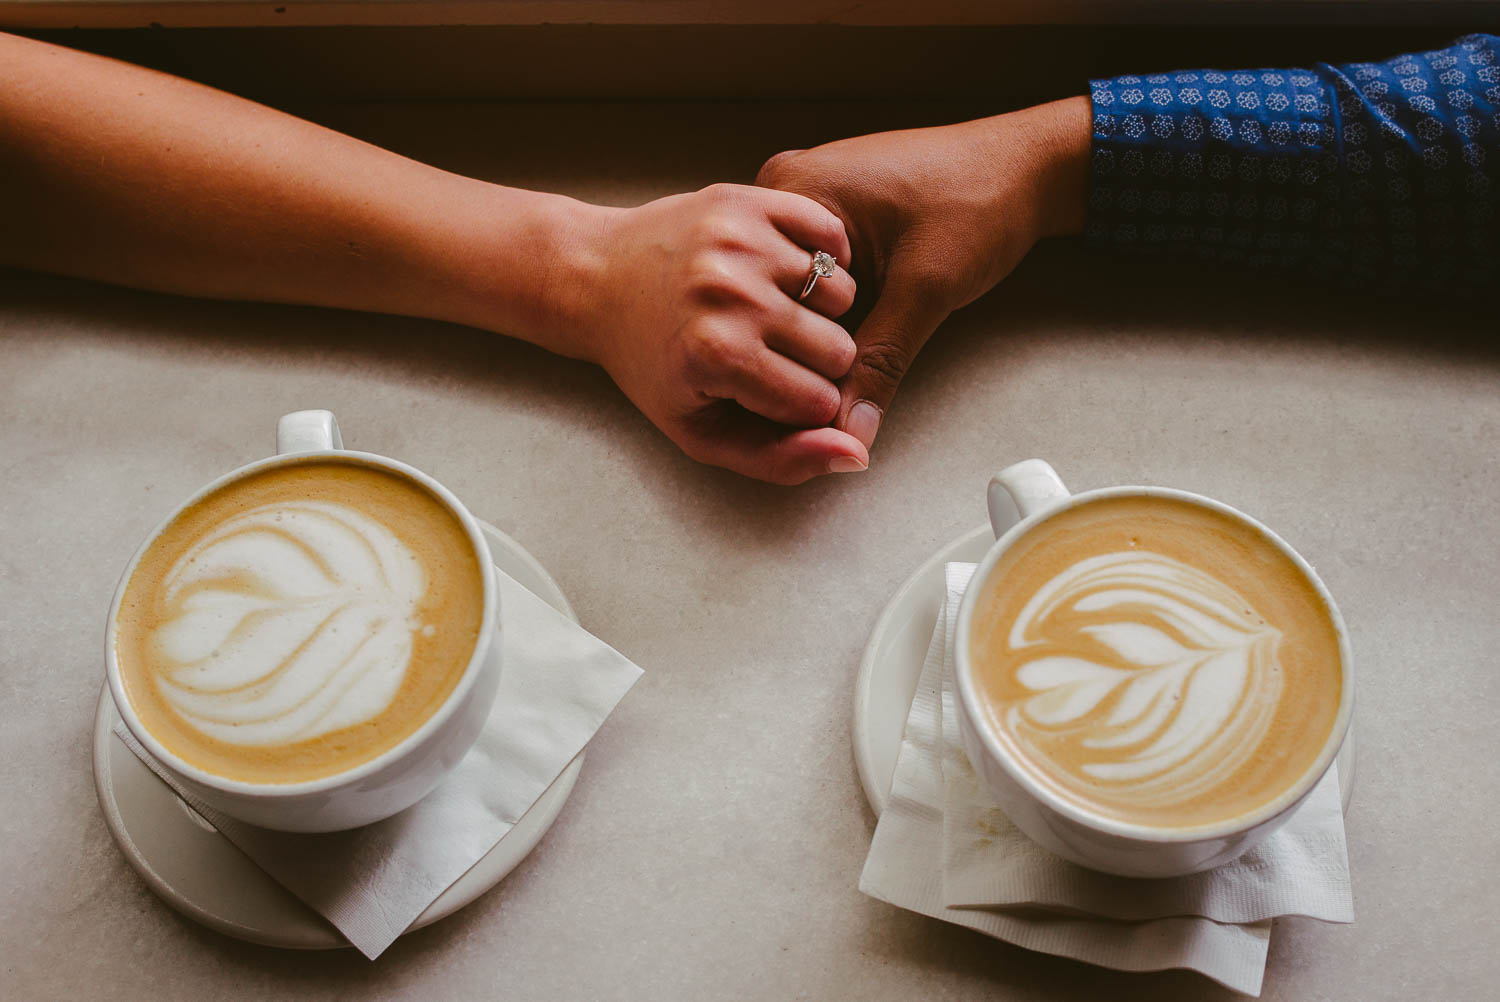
{"x":822,"y":266}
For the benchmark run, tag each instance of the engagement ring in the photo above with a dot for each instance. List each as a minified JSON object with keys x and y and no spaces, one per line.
{"x":823,"y":266}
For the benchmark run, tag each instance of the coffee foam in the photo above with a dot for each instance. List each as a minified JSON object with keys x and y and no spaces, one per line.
{"x":1190,"y":680}
{"x":1156,"y":661}
{"x":299,"y":620}
{"x":288,"y":622}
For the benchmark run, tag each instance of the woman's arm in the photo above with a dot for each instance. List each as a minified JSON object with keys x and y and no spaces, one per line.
{"x":125,"y":175}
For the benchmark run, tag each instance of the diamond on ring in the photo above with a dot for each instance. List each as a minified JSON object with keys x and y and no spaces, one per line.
{"x":823,"y":266}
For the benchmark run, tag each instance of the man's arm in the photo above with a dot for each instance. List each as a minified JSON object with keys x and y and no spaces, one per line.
{"x":1374,"y":173}
{"x":937,"y":217}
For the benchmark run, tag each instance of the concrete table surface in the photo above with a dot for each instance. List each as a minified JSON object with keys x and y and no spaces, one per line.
{"x":713,"y":845}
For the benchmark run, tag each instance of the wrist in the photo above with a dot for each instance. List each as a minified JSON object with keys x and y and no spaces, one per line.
{"x":1061,"y":138}
{"x":525,"y":264}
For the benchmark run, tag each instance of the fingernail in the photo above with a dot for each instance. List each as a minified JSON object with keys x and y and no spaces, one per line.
{"x":863,"y":422}
{"x":845,"y":464}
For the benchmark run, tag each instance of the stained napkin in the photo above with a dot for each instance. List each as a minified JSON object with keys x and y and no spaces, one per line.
{"x":943,"y":848}
{"x":558,"y":683}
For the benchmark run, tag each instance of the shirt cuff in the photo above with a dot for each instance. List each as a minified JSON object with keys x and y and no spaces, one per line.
{"x":1234,"y":166}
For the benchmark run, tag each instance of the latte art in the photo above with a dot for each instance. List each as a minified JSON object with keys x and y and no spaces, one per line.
{"x":1161,"y":678}
{"x":1155,"y":661}
{"x":287,"y":622}
{"x":299,"y":621}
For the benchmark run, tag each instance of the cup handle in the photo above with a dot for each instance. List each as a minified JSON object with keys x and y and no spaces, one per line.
{"x":307,"y":431}
{"x":1020,"y":491}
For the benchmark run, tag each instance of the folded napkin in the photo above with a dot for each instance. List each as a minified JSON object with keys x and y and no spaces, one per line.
{"x":558,"y":683}
{"x":942,"y":848}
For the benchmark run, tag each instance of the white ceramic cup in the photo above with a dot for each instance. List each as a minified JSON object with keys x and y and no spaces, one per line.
{"x":399,"y":776}
{"x":1033,"y":490}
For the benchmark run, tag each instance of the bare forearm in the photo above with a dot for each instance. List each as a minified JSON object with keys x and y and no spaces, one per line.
{"x":116,"y":173}
{"x":125,"y":175}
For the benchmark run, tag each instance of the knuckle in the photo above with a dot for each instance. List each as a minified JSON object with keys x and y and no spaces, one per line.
{"x":847,"y":352}
{"x":714,"y":350}
{"x":885,"y":363}
{"x":713,"y":282}
{"x":707,"y":231}
{"x":724,"y":233}
{"x":722,"y":193}
{"x":825,"y":405}
{"x":832,"y":344}
{"x":834,"y":232}
{"x":791,"y":316}
{"x":776,"y":170}
{"x":840,"y":299}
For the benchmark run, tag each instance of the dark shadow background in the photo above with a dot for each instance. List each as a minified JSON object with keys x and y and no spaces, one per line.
{"x":996,"y":65}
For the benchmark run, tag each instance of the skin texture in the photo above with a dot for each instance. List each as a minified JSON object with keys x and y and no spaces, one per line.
{"x":936,"y":218}
{"x":721,"y":356}
{"x":125,"y":175}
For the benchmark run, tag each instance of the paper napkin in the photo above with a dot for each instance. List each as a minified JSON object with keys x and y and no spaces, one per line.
{"x":558,"y":683}
{"x":942,"y":848}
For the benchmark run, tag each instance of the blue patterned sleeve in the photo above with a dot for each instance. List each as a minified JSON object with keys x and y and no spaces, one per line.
{"x":1364,"y":173}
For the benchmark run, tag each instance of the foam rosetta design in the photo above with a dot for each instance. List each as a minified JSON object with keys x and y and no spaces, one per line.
{"x":1148,"y":680}
{"x":286,"y":622}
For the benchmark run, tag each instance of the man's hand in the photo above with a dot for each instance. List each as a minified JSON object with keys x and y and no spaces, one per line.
{"x":935,"y":218}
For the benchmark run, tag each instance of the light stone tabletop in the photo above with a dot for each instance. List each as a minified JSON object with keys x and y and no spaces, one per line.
{"x":713,"y":845}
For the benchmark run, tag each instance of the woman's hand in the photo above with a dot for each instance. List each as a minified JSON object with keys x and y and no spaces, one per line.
{"x":937,"y":217}
{"x":121,"y":174}
{"x":690,"y":303}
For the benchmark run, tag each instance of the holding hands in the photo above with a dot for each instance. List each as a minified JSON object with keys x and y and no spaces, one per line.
{"x":936,"y":217}
{"x":699,"y":292}
{"x":693,"y":303}
{"x":694,"y":309}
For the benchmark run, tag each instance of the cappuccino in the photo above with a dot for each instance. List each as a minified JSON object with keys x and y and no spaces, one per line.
{"x":299,"y":621}
{"x":1156,"y":662}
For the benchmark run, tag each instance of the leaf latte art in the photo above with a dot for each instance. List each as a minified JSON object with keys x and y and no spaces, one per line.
{"x":286,"y":622}
{"x":299,"y":620}
{"x":1141,"y":676}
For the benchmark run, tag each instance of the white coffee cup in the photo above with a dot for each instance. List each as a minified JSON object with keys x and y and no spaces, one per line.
{"x":1033,"y":490}
{"x":399,"y":776}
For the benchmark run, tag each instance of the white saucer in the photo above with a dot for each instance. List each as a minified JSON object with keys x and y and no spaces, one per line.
{"x":201,"y":874}
{"x":892,"y":663}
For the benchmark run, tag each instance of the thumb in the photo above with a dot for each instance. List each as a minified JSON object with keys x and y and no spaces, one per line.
{"x":775,"y":169}
{"x":885,"y":345}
